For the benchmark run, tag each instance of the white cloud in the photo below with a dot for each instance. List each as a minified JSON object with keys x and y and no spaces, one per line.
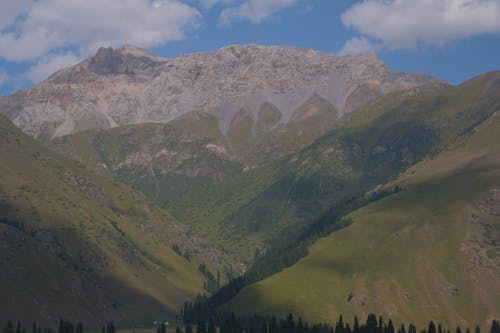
{"x":4,"y":77}
{"x":84,"y":25}
{"x":359,"y":46}
{"x":10,"y":10}
{"x":255,"y":11}
{"x":407,"y":23}
{"x":50,"y":64}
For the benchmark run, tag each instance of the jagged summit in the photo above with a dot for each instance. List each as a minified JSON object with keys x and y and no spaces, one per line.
{"x":129,"y":85}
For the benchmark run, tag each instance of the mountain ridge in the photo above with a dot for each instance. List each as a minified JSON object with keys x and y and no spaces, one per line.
{"x":129,"y":85}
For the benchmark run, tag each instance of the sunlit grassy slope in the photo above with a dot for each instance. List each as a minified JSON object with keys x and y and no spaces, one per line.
{"x":431,"y":251}
{"x":80,"y":246}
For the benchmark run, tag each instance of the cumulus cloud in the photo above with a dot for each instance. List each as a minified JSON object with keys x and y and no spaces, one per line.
{"x":10,"y":10}
{"x":407,"y":23}
{"x":49,"y":64}
{"x":34,"y":29}
{"x":255,"y":11}
{"x":359,"y":46}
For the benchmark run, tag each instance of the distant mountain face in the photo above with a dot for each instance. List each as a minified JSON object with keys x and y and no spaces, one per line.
{"x":267,"y":86}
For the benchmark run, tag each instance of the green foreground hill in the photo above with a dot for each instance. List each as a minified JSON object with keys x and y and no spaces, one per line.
{"x":431,"y":251}
{"x":81,"y":246}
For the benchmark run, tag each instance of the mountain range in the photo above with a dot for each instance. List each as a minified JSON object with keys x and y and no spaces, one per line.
{"x":275,"y":164}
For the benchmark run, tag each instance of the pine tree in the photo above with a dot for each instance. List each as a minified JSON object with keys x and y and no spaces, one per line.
{"x":477,"y":330}
{"x":412,"y":329}
{"x":371,"y":324}
{"x":495,"y":327}
{"x":458,"y":330}
{"x":339,"y":328}
{"x":380,"y":326}
{"x":432,"y":327}
{"x":200,"y":328}
{"x":289,"y":324}
{"x":390,"y":327}
{"x":110,"y":328}
{"x":300,"y":326}
{"x":273,"y":325}
{"x":355,"y":328}
{"x":211,"y":326}
{"x":347,"y":329}
{"x":9,"y":328}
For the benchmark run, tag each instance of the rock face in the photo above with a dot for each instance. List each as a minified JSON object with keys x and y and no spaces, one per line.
{"x":128,"y":85}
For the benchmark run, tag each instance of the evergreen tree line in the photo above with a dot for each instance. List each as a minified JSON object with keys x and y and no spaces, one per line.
{"x":177,"y":250}
{"x":108,"y":328}
{"x":285,"y":252}
{"x":63,"y":327}
{"x":230,"y":323}
{"x":211,"y":284}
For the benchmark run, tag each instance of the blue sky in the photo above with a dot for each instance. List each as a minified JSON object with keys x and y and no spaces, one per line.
{"x":450,"y":39}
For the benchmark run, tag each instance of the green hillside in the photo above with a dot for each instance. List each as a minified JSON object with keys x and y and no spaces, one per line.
{"x":199,"y":174}
{"x":431,"y":251}
{"x":81,"y":246}
{"x":241,"y":192}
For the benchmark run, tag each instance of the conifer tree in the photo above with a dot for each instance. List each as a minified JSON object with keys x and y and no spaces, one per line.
{"x":110,"y":328}
{"x":458,"y":330}
{"x":380,"y":326}
{"x":355,"y":327}
{"x":477,"y":330}
{"x":211,"y":326}
{"x":339,"y":328}
{"x":9,"y":328}
{"x":300,"y":326}
{"x":201,"y":328}
{"x":347,"y":329}
{"x":371,"y":324}
{"x":412,"y":329}
{"x":402,"y":329}
{"x":390,"y":327}
{"x":432,"y":327}
{"x":495,"y":327}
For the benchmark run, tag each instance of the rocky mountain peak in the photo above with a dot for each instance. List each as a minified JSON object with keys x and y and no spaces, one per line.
{"x":128,"y":60}
{"x":106,"y":61}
